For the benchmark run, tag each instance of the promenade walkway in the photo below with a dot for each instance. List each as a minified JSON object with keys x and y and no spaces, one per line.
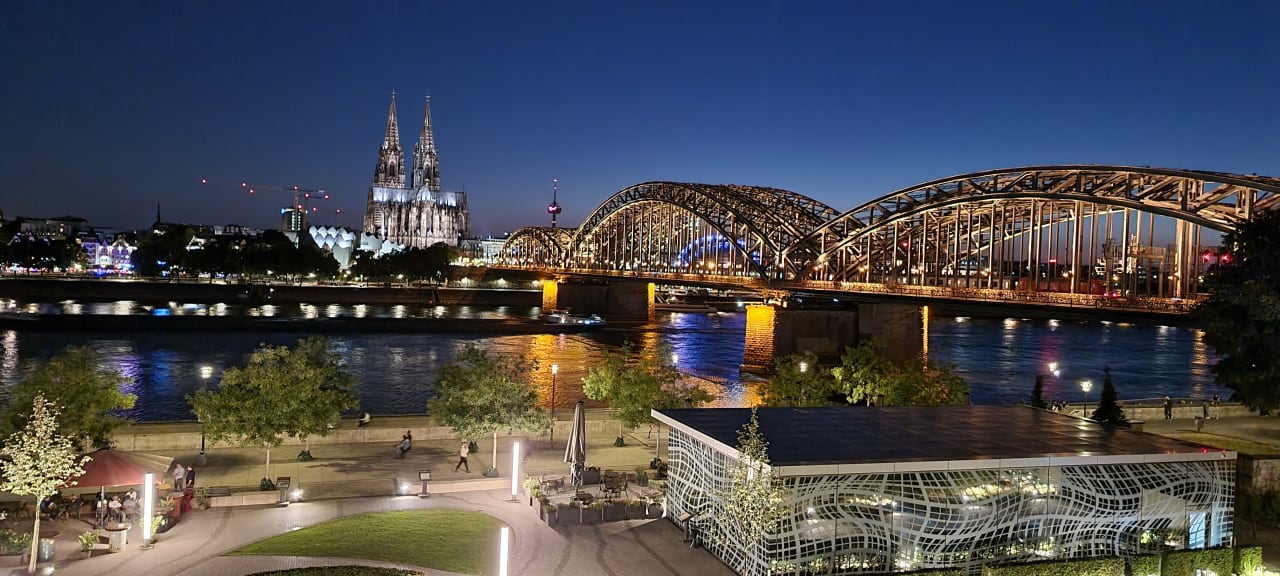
{"x":196,"y":545}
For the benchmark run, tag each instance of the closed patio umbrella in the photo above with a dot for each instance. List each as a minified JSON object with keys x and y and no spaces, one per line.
{"x":575,"y":452}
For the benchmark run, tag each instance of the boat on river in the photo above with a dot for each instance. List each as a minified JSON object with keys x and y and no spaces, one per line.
{"x":564,"y":317}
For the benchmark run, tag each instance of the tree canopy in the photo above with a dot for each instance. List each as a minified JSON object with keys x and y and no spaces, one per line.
{"x":38,"y":461}
{"x":479,"y":394}
{"x":798,"y":380}
{"x":635,"y":382}
{"x":297,"y":392}
{"x":1241,"y":316}
{"x":87,"y":389}
{"x":865,"y":375}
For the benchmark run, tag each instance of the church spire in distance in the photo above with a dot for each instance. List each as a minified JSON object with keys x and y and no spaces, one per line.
{"x":390,"y":169}
{"x":426,"y":166}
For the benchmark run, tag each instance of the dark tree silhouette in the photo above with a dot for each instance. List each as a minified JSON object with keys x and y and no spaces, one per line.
{"x":1037,"y":393}
{"x":1109,"y":410}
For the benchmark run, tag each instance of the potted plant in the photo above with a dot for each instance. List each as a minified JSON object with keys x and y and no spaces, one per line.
{"x":568,"y":514}
{"x":635,"y":510}
{"x":202,"y":497}
{"x":548,"y":513}
{"x":593,"y":513}
{"x":642,"y":476}
{"x":157,"y":522}
{"x":614,"y":511}
{"x":88,"y":539}
{"x":15,"y":546}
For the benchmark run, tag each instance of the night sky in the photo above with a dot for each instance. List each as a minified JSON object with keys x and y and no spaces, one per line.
{"x":107,"y":108}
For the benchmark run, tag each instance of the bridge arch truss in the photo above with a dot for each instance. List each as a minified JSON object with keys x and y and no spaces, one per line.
{"x":536,"y":247}
{"x":1079,"y":229}
{"x":686,"y":228}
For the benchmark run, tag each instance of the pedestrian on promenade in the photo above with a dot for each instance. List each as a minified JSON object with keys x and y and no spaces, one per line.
{"x":191,"y":476}
{"x":463,"y":452}
{"x":406,"y":443}
{"x":179,"y":476}
{"x":364,"y":420}
{"x":1168,"y":408}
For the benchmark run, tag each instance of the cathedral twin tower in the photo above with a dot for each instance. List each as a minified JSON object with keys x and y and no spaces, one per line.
{"x":408,"y":207}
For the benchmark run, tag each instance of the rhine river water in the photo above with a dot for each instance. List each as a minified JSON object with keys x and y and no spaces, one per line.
{"x":998,"y":356}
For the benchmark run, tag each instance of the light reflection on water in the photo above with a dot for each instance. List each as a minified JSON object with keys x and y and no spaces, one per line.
{"x":999,"y":357}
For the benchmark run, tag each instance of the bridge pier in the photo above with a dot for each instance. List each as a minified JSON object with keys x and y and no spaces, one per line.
{"x":625,"y":300}
{"x":774,"y":332}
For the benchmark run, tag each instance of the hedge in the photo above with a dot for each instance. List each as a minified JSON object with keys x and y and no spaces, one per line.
{"x":1145,"y":565}
{"x":1185,"y":562}
{"x":1084,"y":567}
{"x":938,"y":572}
{"x":1248,"y":559}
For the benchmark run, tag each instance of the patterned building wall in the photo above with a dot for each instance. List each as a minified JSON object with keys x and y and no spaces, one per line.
{"x":884,"y":523}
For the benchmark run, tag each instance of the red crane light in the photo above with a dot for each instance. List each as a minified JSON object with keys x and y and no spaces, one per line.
{"x":1226,"y":258}
{"x":204,"y":181}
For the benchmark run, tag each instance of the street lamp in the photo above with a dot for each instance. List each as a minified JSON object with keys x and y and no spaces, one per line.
{"x":1085,"y":386}
{"x":804,"y":367}
{"x":555,"y":369}
{"x":205,"y":372}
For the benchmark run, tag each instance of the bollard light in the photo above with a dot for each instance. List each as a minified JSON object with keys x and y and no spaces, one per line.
{"x":502,"y":554}
{"x":515,"y":470}
{"x":148,"y":507}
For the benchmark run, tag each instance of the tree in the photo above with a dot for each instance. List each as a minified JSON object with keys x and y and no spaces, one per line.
{"x":480,"y":394}
{"x":635,"y":383}
{"x":864,"y":375}
{"x":1037,"y":393}
{"x":279,"y":392}
{"x":38,"y":461}
{"x":751,"y":501}
{"x":1109,"y":410}
{"x":87,"y":389}
{"x":1241,"y":316}
{"x":798,"y":381}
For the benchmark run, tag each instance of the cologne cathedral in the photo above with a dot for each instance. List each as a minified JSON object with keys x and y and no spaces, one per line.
{"x":406,"y":206}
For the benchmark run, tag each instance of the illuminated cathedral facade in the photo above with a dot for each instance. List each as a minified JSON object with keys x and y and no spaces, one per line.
{"x":406,"y":205}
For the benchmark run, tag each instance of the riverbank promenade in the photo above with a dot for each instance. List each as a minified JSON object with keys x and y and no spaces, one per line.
{"x":197,"y":545}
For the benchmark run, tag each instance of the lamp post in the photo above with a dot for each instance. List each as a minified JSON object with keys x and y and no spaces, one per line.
{"x":804,"y":367}
{"x":1085,"y":386}
{"x":205,"y":372}
{"x":555,"y":369}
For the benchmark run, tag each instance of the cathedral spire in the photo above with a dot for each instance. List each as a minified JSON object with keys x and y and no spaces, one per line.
{"x":426,"y":166}
{"x":390,"y":169}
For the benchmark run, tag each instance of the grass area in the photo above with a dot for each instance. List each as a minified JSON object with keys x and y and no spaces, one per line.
{"x":450,"y":540}
{"x":1226,"y":443}
{"x":340,"y":571}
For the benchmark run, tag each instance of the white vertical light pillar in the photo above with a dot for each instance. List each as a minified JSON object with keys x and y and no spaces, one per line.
{"x":515,"y":470}
{"x":148,"y":506}
{"x":502,"y":554}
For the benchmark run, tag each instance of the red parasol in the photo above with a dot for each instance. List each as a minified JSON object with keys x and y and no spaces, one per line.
{"x":112,"y":468}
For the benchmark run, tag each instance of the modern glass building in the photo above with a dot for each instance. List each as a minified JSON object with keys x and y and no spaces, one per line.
{"x":899,"y":489}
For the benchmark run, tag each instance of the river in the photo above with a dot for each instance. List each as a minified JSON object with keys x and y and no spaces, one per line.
{"x":999,"y":357}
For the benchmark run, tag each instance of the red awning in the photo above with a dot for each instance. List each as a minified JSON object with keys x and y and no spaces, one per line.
{"x":109,"y":468}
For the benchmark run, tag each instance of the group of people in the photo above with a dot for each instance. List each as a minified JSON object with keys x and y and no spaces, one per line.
{"x":1204,"y":407}
{"x":184,"y":477}
{"x":117,"y":509}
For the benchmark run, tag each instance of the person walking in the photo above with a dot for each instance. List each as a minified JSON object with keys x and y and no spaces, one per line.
{"x":463,"y":452}
{"x":406,"y":443}
{"x":191,"y":477}
{"x":1168,"y":408}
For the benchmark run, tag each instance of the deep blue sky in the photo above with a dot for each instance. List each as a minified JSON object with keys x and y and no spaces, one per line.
{"x":107,"y":108}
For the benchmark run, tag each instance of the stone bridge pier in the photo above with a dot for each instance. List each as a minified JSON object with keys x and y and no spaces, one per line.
{"x":616,"y":300}
{"x":774,"y":332}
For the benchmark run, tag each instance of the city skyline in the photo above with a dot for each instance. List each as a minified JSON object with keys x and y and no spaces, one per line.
{"x":111,"y":110}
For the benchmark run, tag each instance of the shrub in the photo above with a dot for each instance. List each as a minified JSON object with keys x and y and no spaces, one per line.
{"x":1086,"y":567}
{"x":1248,"y":559}
{"x":88,"y":539}
{"x":1145,"y":565}
{"x":1186,"y":562}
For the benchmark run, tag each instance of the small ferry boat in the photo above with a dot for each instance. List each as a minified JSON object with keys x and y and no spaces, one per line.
{"x":564,"y":317}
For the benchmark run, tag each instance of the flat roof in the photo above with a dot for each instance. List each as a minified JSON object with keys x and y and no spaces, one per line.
{"x":851,"y":439}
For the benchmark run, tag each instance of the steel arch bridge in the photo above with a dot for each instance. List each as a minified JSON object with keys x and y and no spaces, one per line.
{"x":1085,"y":230}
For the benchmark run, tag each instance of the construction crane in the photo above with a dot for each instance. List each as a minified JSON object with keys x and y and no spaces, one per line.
{"x":301,"y":198}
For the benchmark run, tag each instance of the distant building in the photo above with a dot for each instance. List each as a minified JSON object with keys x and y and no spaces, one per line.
{"x":292,"y":219}
{"x":407,"y":206}
{"x":342,"y":243}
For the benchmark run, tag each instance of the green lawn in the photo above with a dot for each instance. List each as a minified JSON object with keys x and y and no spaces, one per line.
{"x":450,"y":540}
